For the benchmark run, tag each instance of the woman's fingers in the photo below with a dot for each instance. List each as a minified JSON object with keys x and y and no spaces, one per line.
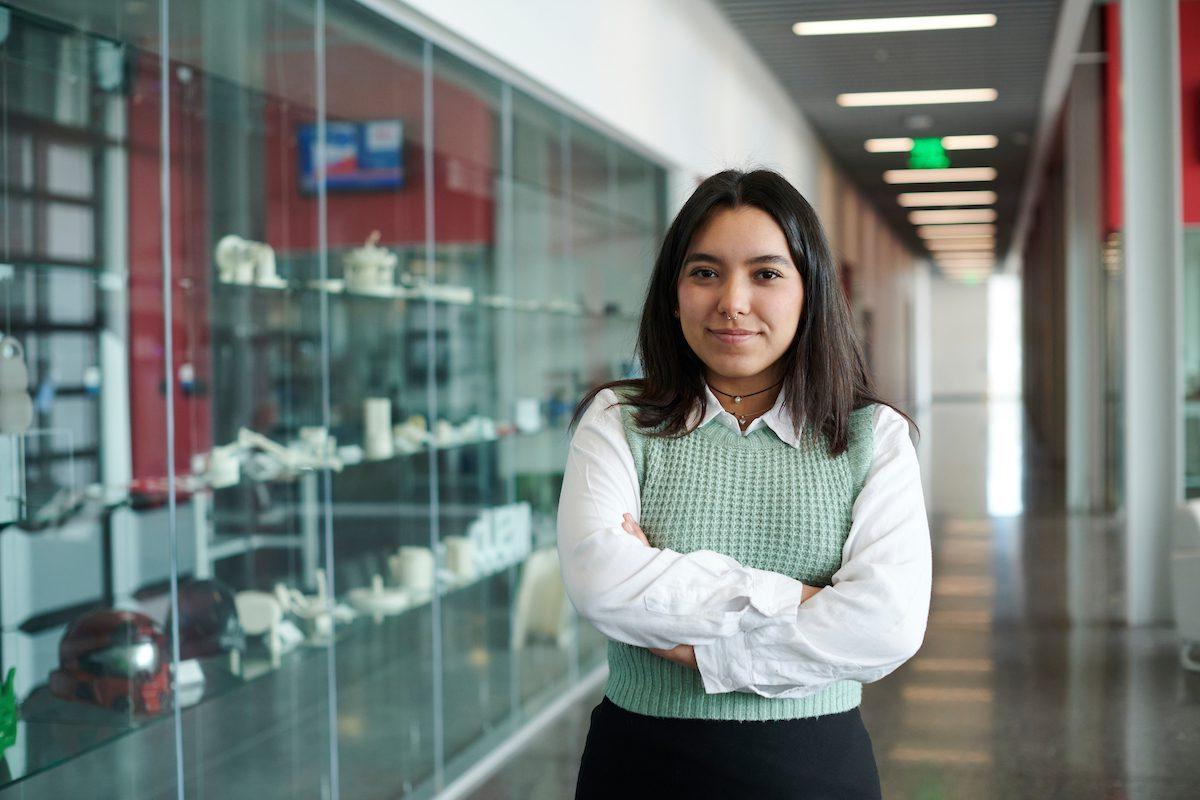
{"x":633,"y":528}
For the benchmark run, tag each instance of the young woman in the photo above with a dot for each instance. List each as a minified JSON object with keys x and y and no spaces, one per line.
{"x":746,"y":522}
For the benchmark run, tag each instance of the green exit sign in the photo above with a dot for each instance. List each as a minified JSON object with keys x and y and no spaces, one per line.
{"x":928,"y":153}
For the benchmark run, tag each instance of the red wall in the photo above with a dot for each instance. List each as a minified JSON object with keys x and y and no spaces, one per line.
{"x":364,"y":84}
{"x":190,"y":269}
{"x":1189,"y":84}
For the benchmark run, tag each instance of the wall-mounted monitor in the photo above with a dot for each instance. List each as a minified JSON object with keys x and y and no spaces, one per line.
{"x":359,"y":156}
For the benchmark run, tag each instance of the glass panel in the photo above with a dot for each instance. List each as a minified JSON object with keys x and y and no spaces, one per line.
{"x":365,"y":398}
{"x":477,"y":510}
{"x":252,"y":441}
{"x":87,"y":709}
{"x":380,"y":365}
{"x":546,"y":332}
{"x":1191,"y":360}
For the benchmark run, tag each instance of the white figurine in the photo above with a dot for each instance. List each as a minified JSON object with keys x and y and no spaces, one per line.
{"x":378,"y":601}
{"x":16,"y":406}
{"x":260,"y":613}
{"x":370,"y":269}
{"x":411,"y":435}
{"x":246,"y":262}
{"x":378,"y":441}
{"x":413,"y":568}
{"x":460,"y":557}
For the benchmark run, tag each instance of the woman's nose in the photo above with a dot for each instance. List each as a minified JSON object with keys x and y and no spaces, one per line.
{"x":735,"y":300}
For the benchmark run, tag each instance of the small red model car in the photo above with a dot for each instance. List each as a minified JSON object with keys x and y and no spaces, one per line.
{"x":116,"y":660}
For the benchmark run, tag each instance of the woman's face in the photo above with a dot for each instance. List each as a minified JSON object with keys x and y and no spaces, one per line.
{"x":738,"y":264}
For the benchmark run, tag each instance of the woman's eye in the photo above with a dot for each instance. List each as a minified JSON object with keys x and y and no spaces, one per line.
{"x":696,"y":272}
{"x":772,"y":273}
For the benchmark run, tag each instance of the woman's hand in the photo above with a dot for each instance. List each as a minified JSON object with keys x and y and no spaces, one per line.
{"x":633,"y":528}
{"x":684,"y":655}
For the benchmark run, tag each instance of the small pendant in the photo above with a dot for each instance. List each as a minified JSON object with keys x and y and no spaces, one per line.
{"x":737,"y":400}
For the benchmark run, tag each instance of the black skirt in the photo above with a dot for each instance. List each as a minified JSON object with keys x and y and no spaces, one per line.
{"x":633,"y":755}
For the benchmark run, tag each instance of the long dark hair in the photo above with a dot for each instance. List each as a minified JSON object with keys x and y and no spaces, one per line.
{"x":825,"y":374}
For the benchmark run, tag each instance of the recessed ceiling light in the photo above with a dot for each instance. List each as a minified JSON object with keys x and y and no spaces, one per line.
{"x":948,"y":216}
{"x":981,"y":142}
{"x":955,"y":231}
{"x":916,"y":98}
{"x":947,"y":175}
{"x":900,"y":145}
{"x":972,"y":243}
{"x":940,"y":22}
{"x":904,"y":144}
{"x":970,"y":257}
{"x":917,"y":199}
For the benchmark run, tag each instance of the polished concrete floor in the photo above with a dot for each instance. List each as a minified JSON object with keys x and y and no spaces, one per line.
{"x":1027,"y":686}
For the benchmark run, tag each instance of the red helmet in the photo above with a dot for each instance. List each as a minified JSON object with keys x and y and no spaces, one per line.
{"x":114,"y":659}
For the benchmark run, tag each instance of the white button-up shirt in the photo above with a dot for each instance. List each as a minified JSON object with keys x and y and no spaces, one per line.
{"x":748,"y":627}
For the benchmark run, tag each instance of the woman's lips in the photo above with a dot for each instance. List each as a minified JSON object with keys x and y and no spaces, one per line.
{"x":733,"y":337}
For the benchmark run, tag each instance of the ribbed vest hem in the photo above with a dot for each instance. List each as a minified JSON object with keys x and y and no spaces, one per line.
{"x":643,"y":683}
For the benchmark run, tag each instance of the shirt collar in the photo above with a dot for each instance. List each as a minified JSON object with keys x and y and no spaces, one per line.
{"x":778,"y":419}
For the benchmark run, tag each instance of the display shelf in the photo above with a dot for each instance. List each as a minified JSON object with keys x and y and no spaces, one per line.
{"x":552,"y":431}
{"x":451,"y":296}
{"x":76,"y":728}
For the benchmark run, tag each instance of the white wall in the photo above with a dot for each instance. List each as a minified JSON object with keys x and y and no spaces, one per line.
{"x":889,"y":286}
{"x":671,"y":74}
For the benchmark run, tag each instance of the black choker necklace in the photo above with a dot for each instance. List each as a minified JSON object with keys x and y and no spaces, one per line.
{"x":737,"y":398}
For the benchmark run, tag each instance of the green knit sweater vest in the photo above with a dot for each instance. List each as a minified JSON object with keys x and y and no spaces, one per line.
{"x":763,"y":502}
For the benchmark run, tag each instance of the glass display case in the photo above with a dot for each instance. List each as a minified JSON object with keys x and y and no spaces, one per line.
{"x":295,"y":306}
{"x":1191,"y":361}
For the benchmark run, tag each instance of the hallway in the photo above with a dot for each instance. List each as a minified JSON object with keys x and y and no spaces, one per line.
{"x":1026,"y":685}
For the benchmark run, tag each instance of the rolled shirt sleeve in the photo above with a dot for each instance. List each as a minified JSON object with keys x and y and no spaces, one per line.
{"x":639,"y":595}
{"x":870,"y":620}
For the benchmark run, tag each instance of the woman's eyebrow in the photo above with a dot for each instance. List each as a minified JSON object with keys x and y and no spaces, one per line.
{"x":763,"y":259}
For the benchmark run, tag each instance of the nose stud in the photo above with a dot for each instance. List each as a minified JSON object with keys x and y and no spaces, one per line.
{"x":738,"y":314}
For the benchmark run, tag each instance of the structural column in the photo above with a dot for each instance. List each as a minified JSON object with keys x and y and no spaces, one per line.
{"x":1153,"y":240}
{"x":1086,"y":457}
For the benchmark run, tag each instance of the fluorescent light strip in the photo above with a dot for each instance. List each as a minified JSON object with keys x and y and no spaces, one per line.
{"x":982,"y":142}
{"x":917,"y":199}
{"x":967,"y":266}
{"x":941,"y":22}
{"x":980,"y":243}
{"x":955,"y":231}
{"x":948,"y":216}
{"x":959,"y":255}
{"x":985,"y":259}
{"x":904,"y":144}
{"x":916,"y":98}
{"x":948,"y":175}
{"x":901,"y":145}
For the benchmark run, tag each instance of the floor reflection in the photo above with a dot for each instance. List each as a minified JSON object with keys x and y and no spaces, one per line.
{"x":1027,"y":685}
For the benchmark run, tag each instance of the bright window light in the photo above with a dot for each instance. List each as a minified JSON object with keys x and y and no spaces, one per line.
{"x":919,"y":199}
{"x":940,"y":22}
{"x":984,"y":142}
{"x":950,"y":216}
{"x":948,"y":175}
{"x":955,"y":231}
{"x":973,"y":243}
{"x":916,"y":98}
